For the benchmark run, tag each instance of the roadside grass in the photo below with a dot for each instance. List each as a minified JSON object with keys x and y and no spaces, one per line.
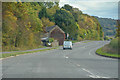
{"x":111,"y":49}
{"x":22,"y":48}
{"x":74,"y":41}
{"x":102,"y":53}
{"x":19,"y":53}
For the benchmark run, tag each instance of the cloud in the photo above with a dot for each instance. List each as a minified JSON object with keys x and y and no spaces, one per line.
{"x":89,"y":0}
{"x":95,"y":8}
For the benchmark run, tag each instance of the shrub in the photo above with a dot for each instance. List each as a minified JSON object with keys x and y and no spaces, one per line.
{"x":79,"y":38}
{"x":106,"y":38}
{"x":51,"y":40}
{"x":112,"y":47}
{"x":114,"y":43}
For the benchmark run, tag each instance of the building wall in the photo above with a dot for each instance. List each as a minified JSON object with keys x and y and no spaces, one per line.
{"x":55,"y":43}
{"x":58,"y":35}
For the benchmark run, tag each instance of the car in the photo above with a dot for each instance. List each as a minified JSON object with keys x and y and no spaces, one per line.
{"x":67,"y":45}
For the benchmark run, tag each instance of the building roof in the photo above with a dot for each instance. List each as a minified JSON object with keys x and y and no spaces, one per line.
{"x":49,"y":29}
{"x":45,"y":38}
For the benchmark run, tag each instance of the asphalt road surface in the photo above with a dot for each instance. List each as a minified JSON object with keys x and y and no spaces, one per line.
{"x":80,"y":62}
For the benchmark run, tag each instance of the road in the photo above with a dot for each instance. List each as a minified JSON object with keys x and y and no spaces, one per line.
{"x":80,"y":62}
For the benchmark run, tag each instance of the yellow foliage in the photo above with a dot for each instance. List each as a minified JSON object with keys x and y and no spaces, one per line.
{"x":15,"y":2}
{"x":10,"y":15}
{"x":46,"y":22}
{"x":52,"y":10}
{"x":79,"y":38}
{"x":28,"y":26}
{"x":78,"y":26}
{"x":8,"y":12}
{"x":31,"y":39}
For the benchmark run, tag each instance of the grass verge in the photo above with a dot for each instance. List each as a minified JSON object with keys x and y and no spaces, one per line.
{"x":100,"y":52}
{"x":74,"y":41}
{"x":18,"y":53}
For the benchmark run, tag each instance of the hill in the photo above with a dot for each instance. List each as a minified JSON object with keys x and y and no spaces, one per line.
{"x":108,"y":25}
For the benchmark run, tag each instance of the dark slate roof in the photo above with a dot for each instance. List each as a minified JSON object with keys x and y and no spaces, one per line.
{"x":48,"y":29}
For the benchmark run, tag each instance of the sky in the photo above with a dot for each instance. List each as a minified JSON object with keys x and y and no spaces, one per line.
{"x":100,"y":8}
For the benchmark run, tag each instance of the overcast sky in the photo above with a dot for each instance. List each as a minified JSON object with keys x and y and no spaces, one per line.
{"x":101,"y":8}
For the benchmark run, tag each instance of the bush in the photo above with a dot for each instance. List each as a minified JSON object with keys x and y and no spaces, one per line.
{"x":112,"y":47}
{"x":101,"y":52}
{"x":114,"y":43}
{"x":51,"y":40}
{"x":106,"y":38}
{"x":79,"y":38}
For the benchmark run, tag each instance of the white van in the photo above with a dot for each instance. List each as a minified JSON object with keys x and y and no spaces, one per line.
{"x":67,"y":45}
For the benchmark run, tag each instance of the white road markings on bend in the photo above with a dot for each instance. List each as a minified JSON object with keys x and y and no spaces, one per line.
{"x":91,"y":50}
{"x":100,"y":56}
{"x":93,"y":75}
{"x":66,"y":57}
{"x":94,"y":49}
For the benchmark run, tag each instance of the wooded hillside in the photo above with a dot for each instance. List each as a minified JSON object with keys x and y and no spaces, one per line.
{"x":24,"y":22}
{"x":108,"y":25}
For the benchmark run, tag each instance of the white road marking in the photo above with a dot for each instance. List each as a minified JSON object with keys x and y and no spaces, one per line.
{"x":100,"y":56}
{"x":78,"y":65}
{"x":93,"y":75}
{"x":94,"y":49}
{"x":66,"y":57}
{"x":90,"y":51}
{"x":87,"y":71}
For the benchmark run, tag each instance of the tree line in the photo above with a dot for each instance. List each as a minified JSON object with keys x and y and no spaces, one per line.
{"x":24,"y":22}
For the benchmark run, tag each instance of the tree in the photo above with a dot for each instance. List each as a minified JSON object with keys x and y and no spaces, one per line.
{"x":49,"y":4}
{"x":43,"y":13}
{"x":68,"y":7}
{"x":66,"y":21}
{"x":21,"y":26}
{"x":46,"y":22}
{"x":118,"y":29}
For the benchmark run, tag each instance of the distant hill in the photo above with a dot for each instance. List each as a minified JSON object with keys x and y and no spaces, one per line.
{"x":108,"y":25}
